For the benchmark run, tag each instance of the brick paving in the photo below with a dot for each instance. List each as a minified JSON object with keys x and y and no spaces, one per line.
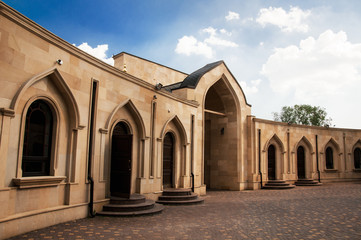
{"x":331,"y":211}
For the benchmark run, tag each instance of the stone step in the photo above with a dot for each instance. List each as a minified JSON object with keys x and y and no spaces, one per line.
{"x":178,"y":198}
{"x":158,"y":208}
{"x":307,"y":182}
{"x":148,"y":204}
{"x":198,"y":200}
{"x":134,"y":199}
{"x":135,"y":205}
{"x":277,"y":185}
{"x":270,"y":187}
{"x":177,"y":192}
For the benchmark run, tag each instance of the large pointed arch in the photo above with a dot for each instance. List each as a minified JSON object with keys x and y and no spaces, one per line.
{"x":55,"y":77}
{"x":304,"y":141}
{"x":332,"y":142}
{"x":179,"y":126}
{"x":277,"y":140}
{"x":357,"y":144}
{"x":129,"y":105}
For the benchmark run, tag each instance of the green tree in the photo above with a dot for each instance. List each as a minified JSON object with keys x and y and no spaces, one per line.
{"x":303,"y":114}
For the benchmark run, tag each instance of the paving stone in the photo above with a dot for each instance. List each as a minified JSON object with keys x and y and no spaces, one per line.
{"x":332,"y":211}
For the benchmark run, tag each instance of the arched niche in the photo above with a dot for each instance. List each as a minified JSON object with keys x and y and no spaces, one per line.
{"x":303,"y":158}
{"x":332,"y":155}
{"x":127,"y":113}
{"x":175,"y":128}
{"x":279,"y":151}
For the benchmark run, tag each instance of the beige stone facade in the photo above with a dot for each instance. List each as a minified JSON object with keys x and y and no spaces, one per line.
{"x":81,"y":103}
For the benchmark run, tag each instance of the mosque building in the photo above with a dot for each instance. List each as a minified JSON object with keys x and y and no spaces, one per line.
{"x":75,"y":131}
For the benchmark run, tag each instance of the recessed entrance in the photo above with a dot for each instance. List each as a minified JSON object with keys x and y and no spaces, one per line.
{"x":301,"y":169}
{"x":220,"y":138}
{"x":271,"y":162}
{"x":121,"y":161}
{"x":168,"y":160}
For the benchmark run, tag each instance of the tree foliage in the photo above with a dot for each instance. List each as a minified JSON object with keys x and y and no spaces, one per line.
{"x":303,"y":114}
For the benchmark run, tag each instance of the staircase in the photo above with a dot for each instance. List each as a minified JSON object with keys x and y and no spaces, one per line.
{"x":307,"y":182}
{"x":180,"y":196}
{"x":136,"y":205}
{"x":277,"y":185}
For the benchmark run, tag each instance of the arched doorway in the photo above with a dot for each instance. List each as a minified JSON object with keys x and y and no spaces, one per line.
{"x":121,"y":161}
{"x":271,"y":162}
{"x":301,"y":167}
{"x":357,"y":158}
{"x":168,"y":160}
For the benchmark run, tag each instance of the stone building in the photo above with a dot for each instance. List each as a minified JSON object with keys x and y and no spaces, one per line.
{"x":66,"y":117}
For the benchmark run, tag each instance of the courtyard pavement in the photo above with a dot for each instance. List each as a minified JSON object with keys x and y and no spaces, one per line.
{"x":331,"y":211}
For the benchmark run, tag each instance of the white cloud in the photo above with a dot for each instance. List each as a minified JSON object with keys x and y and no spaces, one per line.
{"x":328,"y":66}
{"x":189,"y":45}
{"x":98,"y":52}
{"x":287,"y":22}
{"x":232,"y":16}
{"x":224,"y":31}
{"x":248,"y":90}
{"x":213,"y":39}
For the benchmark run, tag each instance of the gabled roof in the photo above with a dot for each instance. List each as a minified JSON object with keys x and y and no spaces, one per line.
{"x":192,"y":80}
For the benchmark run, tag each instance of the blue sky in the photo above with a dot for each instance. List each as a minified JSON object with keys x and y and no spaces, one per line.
{"x":281,"y":52}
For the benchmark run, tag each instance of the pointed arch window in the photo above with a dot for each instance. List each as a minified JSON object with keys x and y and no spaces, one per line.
{"x":357,"y":158}
{"x":329,"y":158}
{"x":37,"y":140}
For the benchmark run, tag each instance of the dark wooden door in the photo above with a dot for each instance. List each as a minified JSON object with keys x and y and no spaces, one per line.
{"x":301,"y":168}
{"x":121,"y":162}
{"x":168,"y":153}
{"x":271,"y":163}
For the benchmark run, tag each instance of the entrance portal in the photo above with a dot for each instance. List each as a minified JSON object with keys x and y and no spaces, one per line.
{"x":168,"y":154}
{"x":121,"y":161}
{"x":220,"y":138}
{"x":271,"y":162}
{"x":301,"y":169}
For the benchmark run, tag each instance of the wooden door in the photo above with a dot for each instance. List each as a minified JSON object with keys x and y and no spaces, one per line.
{"x":168,"y":155}
{"x":121,"y":162}
{"x":271,"y":163}
{"x":301,"y":168}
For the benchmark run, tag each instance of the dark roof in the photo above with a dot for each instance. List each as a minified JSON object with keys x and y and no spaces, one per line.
{"x":192,"y":79}
{"x":172,"y":87}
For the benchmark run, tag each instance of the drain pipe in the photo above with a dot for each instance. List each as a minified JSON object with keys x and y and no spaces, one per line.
{"x":192,"y":175}
{"x":259,"y":156}
{"x":91,"y":202}
{"x":318,"y":168}
{"x":90,"y":150}
{"x":91,"y":182}
{"x":192,"y":151}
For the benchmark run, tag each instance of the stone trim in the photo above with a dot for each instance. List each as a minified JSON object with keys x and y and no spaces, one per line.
{"x":33,"y":182}
{"x":7,"y":112}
